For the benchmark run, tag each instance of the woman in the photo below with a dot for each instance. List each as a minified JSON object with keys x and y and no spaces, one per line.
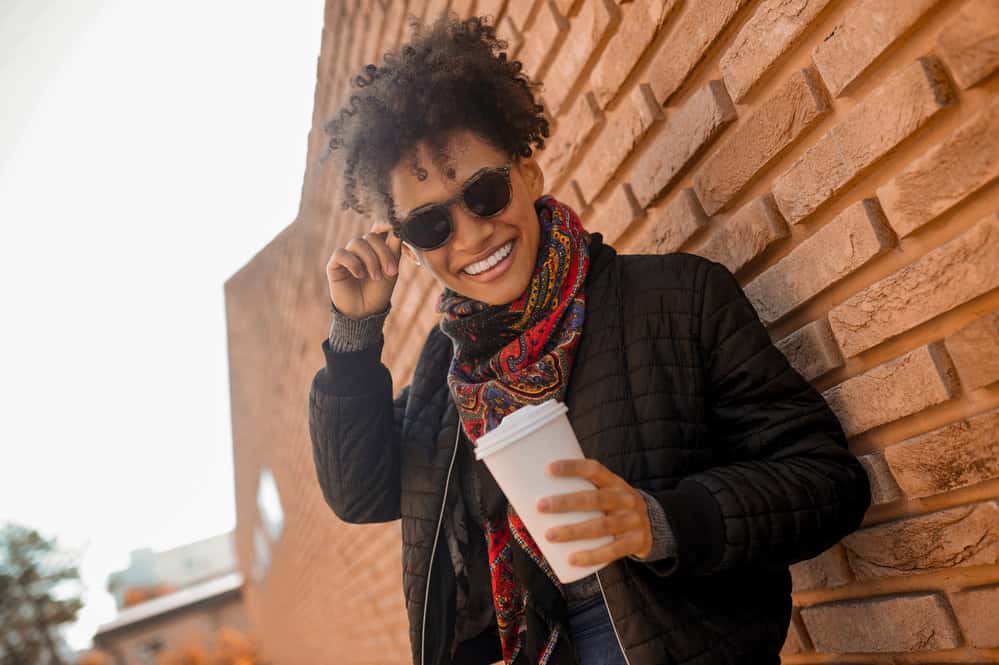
{"x":715,"y":463}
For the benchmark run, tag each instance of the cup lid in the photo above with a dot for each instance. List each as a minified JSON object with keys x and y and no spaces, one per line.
{"x":517,"y":425}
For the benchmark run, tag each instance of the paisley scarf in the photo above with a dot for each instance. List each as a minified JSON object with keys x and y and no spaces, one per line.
{"x":505,"y":357}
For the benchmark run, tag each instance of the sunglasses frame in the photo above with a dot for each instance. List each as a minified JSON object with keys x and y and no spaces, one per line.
{"x":459,"y":198}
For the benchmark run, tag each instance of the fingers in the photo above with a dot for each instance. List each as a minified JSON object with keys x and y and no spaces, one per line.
{"x":606,"y":499}
{"x":622,"y":545}
{"x":590,"y":469}
{"x":385,"y":233}
{"x":373,"y":253}
{"x":344,"y":263}
{"x":608,"y":524}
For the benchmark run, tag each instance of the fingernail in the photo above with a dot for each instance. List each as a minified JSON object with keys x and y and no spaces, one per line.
{"x":391,"y":269}
{"x":543,"y":504}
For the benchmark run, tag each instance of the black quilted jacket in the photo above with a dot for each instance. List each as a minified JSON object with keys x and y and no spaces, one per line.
{"x":676,"y":387}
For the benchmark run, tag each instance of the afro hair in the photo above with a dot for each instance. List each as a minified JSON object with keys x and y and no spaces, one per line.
{"x":452,"y":75}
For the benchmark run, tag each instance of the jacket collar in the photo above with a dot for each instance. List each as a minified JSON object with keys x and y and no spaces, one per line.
{"x":601,"y":255}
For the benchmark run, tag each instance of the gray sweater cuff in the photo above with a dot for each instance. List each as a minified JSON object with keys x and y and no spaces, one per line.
{"x":347,"y":334}
{"x":663,"y":543}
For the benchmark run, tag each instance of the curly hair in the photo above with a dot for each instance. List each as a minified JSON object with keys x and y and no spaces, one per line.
{"x":447,"y":77}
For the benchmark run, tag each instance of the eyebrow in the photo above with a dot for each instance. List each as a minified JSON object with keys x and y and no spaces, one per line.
{"x":463,"y":184}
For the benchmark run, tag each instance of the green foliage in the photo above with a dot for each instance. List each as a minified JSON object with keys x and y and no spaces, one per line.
{"x":33,"y":571}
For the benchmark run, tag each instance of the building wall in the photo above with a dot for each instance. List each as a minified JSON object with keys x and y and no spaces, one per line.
{"x":840,"y":156}
{"x":175,"y":631}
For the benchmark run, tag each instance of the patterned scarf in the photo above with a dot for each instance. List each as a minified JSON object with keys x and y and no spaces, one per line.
{"x":505,"y":357}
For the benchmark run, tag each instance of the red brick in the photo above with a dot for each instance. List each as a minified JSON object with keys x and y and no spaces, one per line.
{"x":883,"y":485}
{"x":767,"y":132}
{"x":847,"y":243}
{"x":961,"y":269}
{"x":769,"y":33}
{"x":586,"y":31}
{"x":492,"y":8}
{"x":942,"y":540}
{"x":625,"y":127}
{"x":864,"y":34}
{"x":434,"y":9}
{"x":548,"y":31}
{"x":463,"y":8}
{"x":957,"y":455}
{"x":695,"y":30}
{"x":824,"y":571}
{"x":566,"y":6}
{"x":520,"y":11}
{"x":885,"y":118}
{"x":571,"y":136}
{"x":811,"y":349}
{"x":507,"y":31}
{"x":689,"y":130}
{"x":946,"y":175}
{"x":976,"y":612}
{"x":672,"y":224}
{"x":619,"y":213}
{"x":915,"y":622}
{"x":747,"y":234}
{"x":970,"y":44}
{"x":975,"y":352}
{"x":793,"y":641}
{"x":895,"y":389}
{"x":640,"y":22}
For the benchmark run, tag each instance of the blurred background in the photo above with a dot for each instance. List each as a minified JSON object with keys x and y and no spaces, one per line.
{"x":147,"y":151}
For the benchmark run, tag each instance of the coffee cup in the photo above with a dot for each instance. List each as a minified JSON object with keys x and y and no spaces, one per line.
{"x":517,"y":453}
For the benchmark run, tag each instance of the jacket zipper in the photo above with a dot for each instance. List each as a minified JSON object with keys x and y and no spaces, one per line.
{"x":433,"y":550}
{"x":607,"y":605}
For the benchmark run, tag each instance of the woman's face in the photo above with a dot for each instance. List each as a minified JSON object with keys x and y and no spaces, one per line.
{"x":475,"y":238}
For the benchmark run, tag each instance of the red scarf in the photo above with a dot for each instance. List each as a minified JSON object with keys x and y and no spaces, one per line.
{"x":505,"y":357}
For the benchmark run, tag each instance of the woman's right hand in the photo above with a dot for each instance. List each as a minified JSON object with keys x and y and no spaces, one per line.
{"x":362,"y":274}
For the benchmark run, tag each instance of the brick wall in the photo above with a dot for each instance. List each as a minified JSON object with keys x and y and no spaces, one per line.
{"x":840,"y":156}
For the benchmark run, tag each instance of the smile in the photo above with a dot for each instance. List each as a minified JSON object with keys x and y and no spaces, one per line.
{"x":493,"y":266}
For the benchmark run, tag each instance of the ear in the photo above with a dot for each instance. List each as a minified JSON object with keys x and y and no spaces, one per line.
{"x":532,"y":175}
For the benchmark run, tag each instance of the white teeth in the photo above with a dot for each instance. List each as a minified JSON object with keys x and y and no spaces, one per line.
{"x":488,"y":263}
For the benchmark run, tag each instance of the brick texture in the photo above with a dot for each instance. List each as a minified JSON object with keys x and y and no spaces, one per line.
{"x":838,"y":156}
{"x":845,"y":244}
{"x":962,"y":536}
{"x":889,"y":115}
{"x":864,"y":34}
{"x":970,"y":44}
{"x":746,"y":235}
{"x":902,"y":386}
{"x":917,"y":622}
{"x":767,"y":35}
{"x":976,"y":613}
{"x":688,"y":131}
{"x":957,"y":455}
{"x":951,"y":274}
{"x":950,"y":172}
{"x":771,"y":128}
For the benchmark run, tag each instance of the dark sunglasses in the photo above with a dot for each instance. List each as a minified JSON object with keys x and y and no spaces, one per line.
{"x":485,"y":194}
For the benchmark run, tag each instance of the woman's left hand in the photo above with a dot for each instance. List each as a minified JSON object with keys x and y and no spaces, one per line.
{"x":626,"y":516}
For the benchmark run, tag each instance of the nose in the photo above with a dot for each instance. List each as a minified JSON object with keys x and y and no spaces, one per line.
{"x":471,"y":234}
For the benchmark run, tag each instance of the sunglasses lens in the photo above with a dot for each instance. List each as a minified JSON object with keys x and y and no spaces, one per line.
{"x":428,"y":229}
{"x":488,"y":195}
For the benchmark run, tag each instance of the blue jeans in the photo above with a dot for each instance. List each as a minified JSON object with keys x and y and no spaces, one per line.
{"x":593,"y":634}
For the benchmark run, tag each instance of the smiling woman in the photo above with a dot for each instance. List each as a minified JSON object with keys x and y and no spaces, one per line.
{"x":707,"y":493}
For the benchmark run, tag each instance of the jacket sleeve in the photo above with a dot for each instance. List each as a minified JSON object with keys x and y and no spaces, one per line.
{"x":356,"y":430}
{"x":788,"y":487}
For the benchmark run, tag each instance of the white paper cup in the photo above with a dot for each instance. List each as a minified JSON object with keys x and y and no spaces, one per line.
{"x":517,"y":452}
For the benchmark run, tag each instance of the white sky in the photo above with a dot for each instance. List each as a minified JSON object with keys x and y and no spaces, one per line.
{"x":147,"y":151}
